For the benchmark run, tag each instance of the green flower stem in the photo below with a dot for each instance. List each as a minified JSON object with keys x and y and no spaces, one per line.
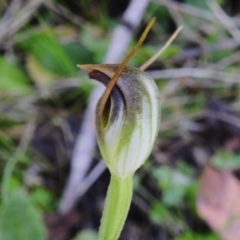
{"x":116,"y":207}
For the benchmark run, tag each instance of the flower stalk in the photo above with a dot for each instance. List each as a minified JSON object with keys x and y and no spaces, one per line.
{"x":116,"y":207}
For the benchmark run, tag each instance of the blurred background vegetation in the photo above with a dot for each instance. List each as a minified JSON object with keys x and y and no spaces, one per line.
{"x":44,"y":96}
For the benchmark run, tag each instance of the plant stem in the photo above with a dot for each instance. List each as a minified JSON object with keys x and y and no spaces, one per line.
{"x":116,"y":207}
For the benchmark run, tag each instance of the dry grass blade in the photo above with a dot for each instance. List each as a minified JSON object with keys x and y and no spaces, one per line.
{"x":9,"y":27}
{"x":165,"y":46}
{"x":225,"y":20}
{"x":228,"y":78}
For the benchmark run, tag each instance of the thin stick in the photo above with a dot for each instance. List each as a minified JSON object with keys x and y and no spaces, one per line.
{"x":154,"y":57}
{"x":114,"y":79}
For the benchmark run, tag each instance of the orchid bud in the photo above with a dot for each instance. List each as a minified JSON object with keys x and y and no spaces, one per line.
{"x":128,"y":125}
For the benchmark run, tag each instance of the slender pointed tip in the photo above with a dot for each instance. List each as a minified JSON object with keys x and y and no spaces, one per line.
{"x":87,"y":67}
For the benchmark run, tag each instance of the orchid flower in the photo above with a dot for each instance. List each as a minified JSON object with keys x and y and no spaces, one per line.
{"x":127,"y":123}
{"x":128,"y":126}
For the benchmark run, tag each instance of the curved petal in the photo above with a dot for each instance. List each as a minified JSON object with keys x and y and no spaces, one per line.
{"x":129,"y":124}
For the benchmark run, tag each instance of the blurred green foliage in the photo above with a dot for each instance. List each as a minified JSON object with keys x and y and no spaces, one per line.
{"x":174,"y":184}
{"x":13,"y":78}
{"x":192,"y":236}
{"x":43,"y":54}
{"x":52,"y":56}
{"x":224,"y":160}
{"x":20,"y":219}
{"x":86,"y":235}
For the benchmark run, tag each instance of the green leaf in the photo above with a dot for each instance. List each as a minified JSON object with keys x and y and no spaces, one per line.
{"x":86,"y":235}
{"x":173,"y":183}
{"x":48,"y":51}
{"x":219,"y":54}
{"x":79,"y":53}
{"x":42,"y":197}
{"x":160,"y":214}
{"x":12,"y":78}
{"x":20,"y":219}
{"x":226,"y":161}
{"x":193,"y":236}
